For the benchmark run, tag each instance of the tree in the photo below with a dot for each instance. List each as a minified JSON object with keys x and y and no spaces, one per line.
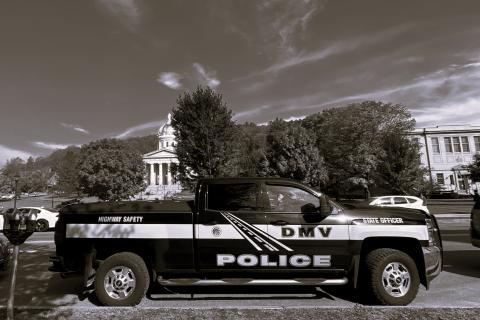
{"x":205,"y":134}
{"x":249,"y":159}
{"x":399,"y":169}
{"x":291,"y":153}
{"x":350,"y":140}
{"x":14,"y":167}
{"x":475,"y":169}
{"x":67,"y":171}
{"x":111,"y":170}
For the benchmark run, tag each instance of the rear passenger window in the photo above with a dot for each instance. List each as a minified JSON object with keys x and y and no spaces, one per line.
{"x":410,"y":200}
{"x":400,"y":200}
{"x":232,"y":197}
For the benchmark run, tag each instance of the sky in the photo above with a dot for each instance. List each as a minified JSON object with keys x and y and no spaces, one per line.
{"x":75,"y":71}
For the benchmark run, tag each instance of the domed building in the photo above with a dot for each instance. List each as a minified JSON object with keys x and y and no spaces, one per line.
{"x":160,"y":182}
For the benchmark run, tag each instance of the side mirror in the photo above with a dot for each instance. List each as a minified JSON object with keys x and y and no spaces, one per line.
{"x":309,"y":208}
{"x":325,"y":208}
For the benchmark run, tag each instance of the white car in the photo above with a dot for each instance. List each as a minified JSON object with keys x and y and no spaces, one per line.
{"x":409,"y":202}
{"x":7,"y":197}
{"x":46,"y":218}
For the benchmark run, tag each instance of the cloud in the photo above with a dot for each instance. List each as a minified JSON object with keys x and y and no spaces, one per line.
{"x":141,"y":127}
{"x":170,"y":79}
{"x":339,"y":47}
{"x":7,"y":153}
{"x":127,"y":11}
{"x":207,"y":77}
{"x":75,"y":128}
{"x":249,"y":113}
{"x":462,"y":112}
{"x":284,"y":21}
{"x":51,"y":146}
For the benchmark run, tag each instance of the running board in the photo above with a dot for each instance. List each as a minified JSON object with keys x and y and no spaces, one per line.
{"x":252,"y":282}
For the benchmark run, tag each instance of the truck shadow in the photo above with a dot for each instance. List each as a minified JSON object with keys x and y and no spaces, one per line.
{"x":37,"y":288}
{"x":463,"y":262}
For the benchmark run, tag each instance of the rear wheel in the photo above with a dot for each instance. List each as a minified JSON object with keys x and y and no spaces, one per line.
{"x":42,"y":225}
{"x":122,"y":280}
{"x":391,"y":277}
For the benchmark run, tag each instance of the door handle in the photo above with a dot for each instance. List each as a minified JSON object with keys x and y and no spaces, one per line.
{"x":279,"y":223}
{"x":210,"y":223}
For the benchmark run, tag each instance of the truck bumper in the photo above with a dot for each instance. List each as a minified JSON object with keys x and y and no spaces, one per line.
{"x":433,"y":258}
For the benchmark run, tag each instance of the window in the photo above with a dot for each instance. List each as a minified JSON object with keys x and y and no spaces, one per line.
{"x":232,"y":197}
{"x":435,"y":146}
{"x":411,"y":200}
{"x":456,"y":144}
{"x":440,"y":178}
{"x":289,"y":199}
{"x":400,"y":200}
{"x":465,"y":144}
{"x":384,"y":201}
{"x":477,"y":143}
{"x":448,"y":144}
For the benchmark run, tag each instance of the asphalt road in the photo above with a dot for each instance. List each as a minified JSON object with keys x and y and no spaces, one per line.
{"x":457,"y":286}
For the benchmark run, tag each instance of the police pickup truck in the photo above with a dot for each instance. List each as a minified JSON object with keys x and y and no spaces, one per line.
{"x":248,"y":231}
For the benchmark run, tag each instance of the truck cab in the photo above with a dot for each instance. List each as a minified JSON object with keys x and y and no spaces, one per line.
{"x":248,"y":231}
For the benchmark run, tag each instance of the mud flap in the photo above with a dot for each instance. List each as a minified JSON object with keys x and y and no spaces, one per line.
{"x":89,"y":271}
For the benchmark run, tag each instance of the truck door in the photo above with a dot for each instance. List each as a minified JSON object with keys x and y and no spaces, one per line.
{"x":227,"y":227}
{"x":297,"y":229}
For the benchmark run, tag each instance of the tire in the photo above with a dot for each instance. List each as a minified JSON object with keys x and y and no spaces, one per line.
{"x":391,"y":277}
{"x":42,"y":225}
{"x":133,"y":279}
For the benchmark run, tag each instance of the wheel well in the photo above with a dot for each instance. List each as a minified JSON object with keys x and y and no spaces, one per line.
{"x":410,"y":246}
{"x":142,"y":253}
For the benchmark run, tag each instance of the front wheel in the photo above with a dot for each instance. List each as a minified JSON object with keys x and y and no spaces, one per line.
{"x":42,"y":225}
{"x":122,"y":280}
{"x":392,"y":277}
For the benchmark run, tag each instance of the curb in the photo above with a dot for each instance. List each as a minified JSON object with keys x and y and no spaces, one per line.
{"x":357,"y":313}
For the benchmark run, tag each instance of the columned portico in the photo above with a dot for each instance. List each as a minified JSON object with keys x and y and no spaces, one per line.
{"x":159,"y":165}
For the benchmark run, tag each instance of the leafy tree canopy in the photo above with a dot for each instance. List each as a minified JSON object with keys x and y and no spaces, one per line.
{"x":291,"y":153}
{"x":350,"y":139}
{"x":111,"y":170}
{"x":205,"y":134}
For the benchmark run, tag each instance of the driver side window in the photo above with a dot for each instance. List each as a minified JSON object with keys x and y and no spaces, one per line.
{"x":288,"y":199}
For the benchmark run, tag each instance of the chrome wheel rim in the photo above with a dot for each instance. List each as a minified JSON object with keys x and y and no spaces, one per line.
{"x":119,"y":282}
{"x":41,"y":225}
{"x":396,"y":279}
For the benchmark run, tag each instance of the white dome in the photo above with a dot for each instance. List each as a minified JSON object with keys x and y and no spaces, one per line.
{"x":166,"y":129}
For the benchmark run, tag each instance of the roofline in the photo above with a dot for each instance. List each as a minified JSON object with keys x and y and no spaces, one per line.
{"x":160,"y":150}
{"x":259,"y":179}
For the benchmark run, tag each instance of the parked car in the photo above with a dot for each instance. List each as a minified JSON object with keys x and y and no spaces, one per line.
{"x":7,"y":197}
{"x":408,"y":202}
{"x":475,"y":225}
{"x":5,"y":254}
{"x":46,"y":218}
